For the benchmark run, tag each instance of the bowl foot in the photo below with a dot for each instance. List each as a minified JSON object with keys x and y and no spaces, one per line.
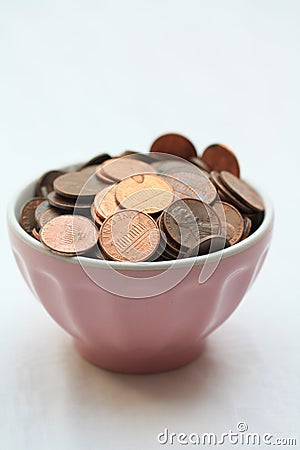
{"x":138,"y":364}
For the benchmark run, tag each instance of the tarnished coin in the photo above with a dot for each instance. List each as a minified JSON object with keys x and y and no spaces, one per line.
{"x":213,"y":243}
{"x":256,"y":220}
{"x":39,"y":210}
{"x":247,"y":227}
{"x":242,"y":190}
{"x":227,"y":196}
{"x":199,"y":183}
{"x":188,"y":221}
{"x":146,"y":192}
{"x":44,"y":185}
{"x":27,"y":214}
{"x":99,"y":159}
{"x":124,"y":167}
{"x":105,"y":203}
{"x":68,"y":234}
{"x":234,"y":222}
{"x":48,"y":214}
{"x":199,"y":163}
{"x":174,"y":144}
{"x":170,"y":166}
{"x":67,"y":204}
{"x":73,"y":184}
{"x":89,"y":170}
{"x":181,"y":189}
{"x":220,"y":157}
{"x":129,"y":236}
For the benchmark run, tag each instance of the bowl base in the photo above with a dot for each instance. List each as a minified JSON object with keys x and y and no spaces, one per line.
{"x":141,"y":366}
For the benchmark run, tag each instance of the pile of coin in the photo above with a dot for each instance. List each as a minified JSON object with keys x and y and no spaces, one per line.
{"x":166,"y":204}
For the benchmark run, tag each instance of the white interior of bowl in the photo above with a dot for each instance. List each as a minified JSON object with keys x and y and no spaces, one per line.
{"x":28,"y":192}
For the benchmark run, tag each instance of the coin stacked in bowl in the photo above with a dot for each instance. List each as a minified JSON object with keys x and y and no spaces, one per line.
{"x":166,"y":204}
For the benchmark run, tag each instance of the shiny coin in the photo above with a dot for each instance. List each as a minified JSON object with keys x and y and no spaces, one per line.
{"x":45,"y":184}
{"x":220,"y":157}
{"x":129,"y":236}
{"x":242,"y":190}
{"x":174,"y":144}
{"x":105,"y":202}
{"x":36,"y":234}
{"x":188,"y":221}
{"x":148,"y":193}
{"x":234,"y":222}
{"x":97,"y":220}
{"x":69,"y":234}
{"x":27,"y":214}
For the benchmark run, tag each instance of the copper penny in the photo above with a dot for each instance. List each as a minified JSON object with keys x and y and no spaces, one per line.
{"x":106,"y":204}
{"x":74,"y":184}
{"x":146,"y":192}
{"x":97,"y":220}
{"x":99,"y":197}
{"x":247,"y":227}
{"x":36,"y":234}
{"x":174,"y":144}
{"x":48,"y":214}
{"x":163,"y":166}
{"x":100,"y":173}
{"x":199,"y":163}
{"x":39,"y":210}
{"x":226,"y":196}
{"x":44,"y":185}
{"x":27,"y":214}
{"x":129,"y":236}
{"x":256,"y":220}
{"x":188,"y":221}
{"x":181,"y":189}
{"x":220,"y":157}
{"x":67,"y":204}
{"x":200,"y":184}
{"x":99,"y":159}
{"x":125,"y":167}
{"x":68,"y":234}
{"x":234,"y":222}
{"x":242,"y":191}
{"x":213,"y":243}
{"x":89,"y":170}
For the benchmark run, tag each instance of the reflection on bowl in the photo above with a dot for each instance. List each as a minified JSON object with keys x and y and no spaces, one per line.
{"x":139,"y":317}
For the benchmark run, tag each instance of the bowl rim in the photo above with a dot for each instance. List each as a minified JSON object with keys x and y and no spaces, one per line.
{"x":14,"y":225}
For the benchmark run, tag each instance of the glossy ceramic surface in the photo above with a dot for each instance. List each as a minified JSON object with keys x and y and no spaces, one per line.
{"x":119,"y":331}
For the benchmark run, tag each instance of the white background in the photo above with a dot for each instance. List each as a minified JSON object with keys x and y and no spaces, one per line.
{"x":82,"y":77}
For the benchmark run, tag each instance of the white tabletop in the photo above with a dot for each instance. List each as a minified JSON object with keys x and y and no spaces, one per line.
{"x":80,"y":78}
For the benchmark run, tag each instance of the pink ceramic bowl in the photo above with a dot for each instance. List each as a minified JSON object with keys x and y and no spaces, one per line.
{"x":139,"y":317}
